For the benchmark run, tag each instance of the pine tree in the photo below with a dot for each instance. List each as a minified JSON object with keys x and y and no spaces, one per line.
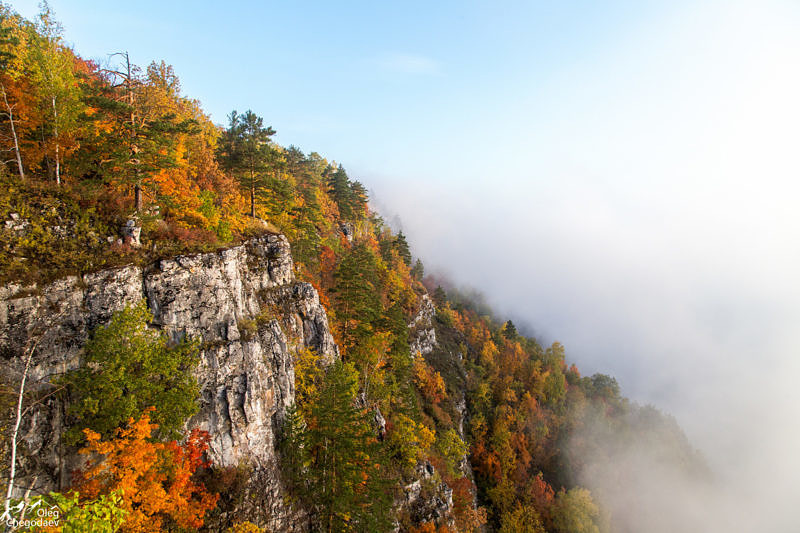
{"x":401,"y":245}
{"x":418,"y":270}
{"x":247,"y":152}
{"x":345,"y":475}
{"x":294,"y":451}
{"x":339,"y":188}
{"x":334,"y":463}
{"x":356,"y":289}
{"x":439,"y":296}
{"x":136,"y":135}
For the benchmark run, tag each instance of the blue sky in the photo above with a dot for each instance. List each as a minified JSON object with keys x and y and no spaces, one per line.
{"x":619,"y":176}
{"x":363,"y":82}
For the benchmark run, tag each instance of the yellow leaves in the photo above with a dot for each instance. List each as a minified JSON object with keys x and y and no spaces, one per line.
{"x":429,"y":381}
{"x":426,"y":436}
{"x":509,"y":396}
{"x":411,"y":441}
{"x":245,"y":527}
{"x":306,"y":375}
{"x":489,"y":353}
{"x":91,"y":436}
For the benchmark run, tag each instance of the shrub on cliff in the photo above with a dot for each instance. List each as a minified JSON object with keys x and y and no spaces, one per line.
{"x":128,"y":368}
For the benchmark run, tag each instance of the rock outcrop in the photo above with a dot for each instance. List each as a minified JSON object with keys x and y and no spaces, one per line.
{"x":426,"y":498}
{"x":422,"y":335}
{"x":245,"y":306}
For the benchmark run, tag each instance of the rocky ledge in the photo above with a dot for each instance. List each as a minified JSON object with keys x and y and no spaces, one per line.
{"x":245,"y":306}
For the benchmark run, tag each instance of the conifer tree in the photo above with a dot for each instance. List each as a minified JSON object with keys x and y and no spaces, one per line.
{"x":401,"y":245}
{"x":335,"y":462}
{"x":356,"y":289}
{"x":129,"y":106}
{"x":247,"y":152}
{"x":439,"y":296}
{"x":339,"y":188}
{"x":418,"y":270}
{"x":350,"y":197}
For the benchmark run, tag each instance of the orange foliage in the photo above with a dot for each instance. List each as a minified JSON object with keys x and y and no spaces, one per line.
{"x":541,"y":493}
{"x":468,"y":518}
{"x":429,"y":381}
{"x":430,"y":527}
{"x":155,"y":478}
{"x":327,"y":264}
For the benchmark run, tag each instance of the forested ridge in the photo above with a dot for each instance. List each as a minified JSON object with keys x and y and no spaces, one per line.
{"x":504,"y":422}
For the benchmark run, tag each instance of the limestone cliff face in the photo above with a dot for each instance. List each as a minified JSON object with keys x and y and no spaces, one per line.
{"x":422,"y":335}
{"x":247,"y":309}
{"x":427,"y":502}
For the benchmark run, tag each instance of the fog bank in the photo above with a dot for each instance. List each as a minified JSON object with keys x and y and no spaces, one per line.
{"x":641,"y":209}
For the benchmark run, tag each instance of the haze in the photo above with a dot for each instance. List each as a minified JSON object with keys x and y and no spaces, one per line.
{"x":622,"y":179}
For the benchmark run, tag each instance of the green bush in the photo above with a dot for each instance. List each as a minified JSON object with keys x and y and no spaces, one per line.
{"x":128,"y":368}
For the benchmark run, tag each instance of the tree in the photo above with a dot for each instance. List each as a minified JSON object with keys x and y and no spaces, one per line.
{"x":128,"y":368}
{"x":246,"y":151}
{"x":10,"y":70}
{"x":54,"y":78}
{"x":510,"y":330}
{"x":575,"y":512}
{"x":357,"y":294}
{"x":439,"y":296}
{"x":418,"y":270}
{"x":154,"y":478}
{"x":401,"y":245}
{"x":336,"y":461}
{"x":409,"y":441}
{"x":350,"y":197}
{"x":523,"y":519}
{"x":135,"y":132}
{"x":452,"y":448}
{"x":104,"y":514}
{"x":19,"y":412}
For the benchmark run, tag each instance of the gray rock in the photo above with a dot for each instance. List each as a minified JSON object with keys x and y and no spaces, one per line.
{"x":246,"y":378}
{"x":422,"y":336}
{"x":427,"y":500}
{"x":348,"y":230}
{"x":132,"y":233}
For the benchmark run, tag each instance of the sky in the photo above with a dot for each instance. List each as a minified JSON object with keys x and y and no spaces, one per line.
{"x":619,"y":176}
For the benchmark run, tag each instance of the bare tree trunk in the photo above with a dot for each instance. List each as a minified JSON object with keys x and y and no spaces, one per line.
{"x":137,"y":173}
{"x":13,"y":469}
{"x":137,"y":192}
{"x":55,"y":136}
{"x":20,"y":414}
{"x":252,"y":194}
{"x":26,"y":496}
{"x":10,"y":112}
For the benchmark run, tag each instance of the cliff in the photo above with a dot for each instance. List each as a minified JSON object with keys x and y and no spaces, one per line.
{"x":251,"y":316}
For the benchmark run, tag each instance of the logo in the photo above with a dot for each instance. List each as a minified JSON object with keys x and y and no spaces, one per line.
{"x":43,"y":515}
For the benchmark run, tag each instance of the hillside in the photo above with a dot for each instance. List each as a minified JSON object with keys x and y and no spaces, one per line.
{"x":204,"y":330}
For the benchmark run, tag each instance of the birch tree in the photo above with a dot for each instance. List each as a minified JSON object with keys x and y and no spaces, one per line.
{"x":10,"y":70}
{"x":54,"y":77}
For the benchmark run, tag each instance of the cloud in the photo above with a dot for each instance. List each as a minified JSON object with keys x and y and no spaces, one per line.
{"x":641,"y":209}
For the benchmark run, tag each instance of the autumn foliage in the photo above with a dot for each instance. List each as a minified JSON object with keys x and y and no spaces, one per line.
{"x":155,"y":478}
{"x":90,"y":148}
